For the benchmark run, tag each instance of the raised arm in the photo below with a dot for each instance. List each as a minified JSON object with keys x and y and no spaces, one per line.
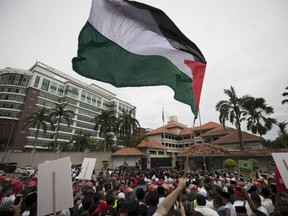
{"x":169,"y":201}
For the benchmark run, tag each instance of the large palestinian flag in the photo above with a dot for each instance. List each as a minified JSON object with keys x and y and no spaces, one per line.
{"x":127,"y":43}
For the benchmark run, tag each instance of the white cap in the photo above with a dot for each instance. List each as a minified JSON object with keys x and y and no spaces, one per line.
{"x":121,"y":195}
{"x":203,"y":192}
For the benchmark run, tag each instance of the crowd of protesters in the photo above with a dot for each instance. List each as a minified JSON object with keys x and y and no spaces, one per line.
{"x":154,"y":192}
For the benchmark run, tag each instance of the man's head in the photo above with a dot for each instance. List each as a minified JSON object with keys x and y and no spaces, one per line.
{"x":201,"y":200}
{"x":225,"y":196}
{"x":161,"y":190}
{"x":110,"y":199}
{"x":140,"y":193}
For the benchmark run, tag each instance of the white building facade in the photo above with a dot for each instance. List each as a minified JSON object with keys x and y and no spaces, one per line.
{"x":22,"y":91}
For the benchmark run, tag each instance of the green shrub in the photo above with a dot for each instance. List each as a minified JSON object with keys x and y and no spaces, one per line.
{"x":229,"y":164}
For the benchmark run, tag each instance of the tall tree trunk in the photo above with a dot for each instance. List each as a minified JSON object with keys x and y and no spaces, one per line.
{"x":36,"y":138}
{"x":55,"y":147}
{"x":241,"y":143}
{"x":266,"y":160}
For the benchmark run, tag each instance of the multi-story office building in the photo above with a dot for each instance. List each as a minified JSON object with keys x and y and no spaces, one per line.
{"x":22,"y":91}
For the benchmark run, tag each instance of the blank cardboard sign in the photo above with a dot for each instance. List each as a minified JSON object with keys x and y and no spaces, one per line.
{"x":54,"y":186}
{"x":87,"y":168}
{"x":281,"y":160}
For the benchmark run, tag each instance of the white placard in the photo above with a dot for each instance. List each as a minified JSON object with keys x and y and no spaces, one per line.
{"x":87,"y":168}
{"x":281,"y":160}
{"x":54,"y":176}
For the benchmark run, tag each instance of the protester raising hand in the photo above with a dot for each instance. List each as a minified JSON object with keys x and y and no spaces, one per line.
{"x":169,"y":201}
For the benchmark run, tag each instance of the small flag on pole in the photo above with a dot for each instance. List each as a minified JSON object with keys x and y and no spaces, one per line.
{"x":163,"y":115}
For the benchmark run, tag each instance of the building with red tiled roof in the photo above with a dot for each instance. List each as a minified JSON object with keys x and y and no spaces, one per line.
{"x":231,"y":140}
{"x":178,"y":139}
{"x":127,"y":151}
{"x":175,"y":136}
{"x":206,"y":147}
{"x":130,"y":156}
{"x":150,"y":144}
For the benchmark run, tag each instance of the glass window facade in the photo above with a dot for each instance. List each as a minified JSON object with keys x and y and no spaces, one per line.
{"x":14,"y":79}
{"x":71,"y":91}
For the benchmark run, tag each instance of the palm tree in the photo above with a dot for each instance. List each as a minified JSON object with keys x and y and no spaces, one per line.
{"x":285,"y":94}
{"x":38,"y":119}
{"x":60,"y":113}
{"x":256,"y":111}
{"x":80,"y":141}
{"x":283,"y":131}
{"x":231,"y":110}
{"x":127,"y":125}
{"x":105,"y":123}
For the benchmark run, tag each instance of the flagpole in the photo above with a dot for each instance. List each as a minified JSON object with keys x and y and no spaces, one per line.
{"x":163,"y":121}
{"x":202,"y":141}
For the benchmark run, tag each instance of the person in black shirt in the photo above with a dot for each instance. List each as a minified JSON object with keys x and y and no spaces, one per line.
{"x":110,"y":210}
{"x":140,"y":194}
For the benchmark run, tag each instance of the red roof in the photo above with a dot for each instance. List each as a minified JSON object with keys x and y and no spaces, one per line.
{"x":168,"y":129}
{"x":150,"y":143}
{"x":233,"y":138}
{"x":208,"y":126}
{"x":211,"y":149}
{"x":183,"y":130}
{"x":219,"y":131}
{"x":211,"y":129}
{"x":127,"y":151}
{"x":204,"y":149}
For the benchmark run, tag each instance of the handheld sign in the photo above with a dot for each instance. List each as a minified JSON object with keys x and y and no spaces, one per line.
{"x":54,"y":186}
{"x":245,"y":169}
{"x":281,"y":160}
{"x":87,"y":168}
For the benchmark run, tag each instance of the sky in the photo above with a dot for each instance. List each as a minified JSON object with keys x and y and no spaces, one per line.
{"x":244,"y":42}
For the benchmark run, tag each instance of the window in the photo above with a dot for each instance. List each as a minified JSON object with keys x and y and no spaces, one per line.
{"x":88,"y":99}
{"x":53,"y":88}
{"x":15,"y":79}
{"x":60,"y":90}
{"x":45,"y":85}
{"x":36,"y":83}
{"x":83,"y":96}
{"x":217,"y":163}
{"x":71,"y":91}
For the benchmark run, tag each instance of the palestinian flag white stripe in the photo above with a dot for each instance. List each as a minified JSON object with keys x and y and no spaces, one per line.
{"x":135,"y":30}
